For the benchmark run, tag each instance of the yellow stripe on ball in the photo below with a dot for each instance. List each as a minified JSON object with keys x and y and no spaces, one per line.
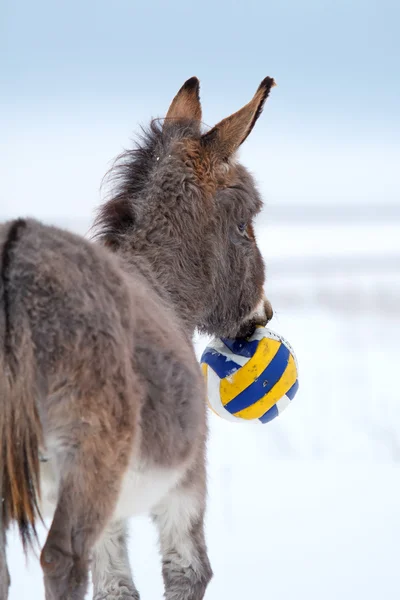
{"x":239,"y":381}
{"x":259,"y":408}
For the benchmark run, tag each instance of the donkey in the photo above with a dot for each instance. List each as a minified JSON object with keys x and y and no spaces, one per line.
{"x":103,"y":412}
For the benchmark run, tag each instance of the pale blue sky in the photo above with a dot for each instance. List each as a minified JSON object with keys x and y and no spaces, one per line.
{"x":78,"y":77}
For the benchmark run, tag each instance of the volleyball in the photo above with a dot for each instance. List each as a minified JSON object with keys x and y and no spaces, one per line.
{"x":251,"y":379}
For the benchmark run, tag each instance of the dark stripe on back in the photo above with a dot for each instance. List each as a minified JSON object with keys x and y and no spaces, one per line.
{"x":12,"y":238}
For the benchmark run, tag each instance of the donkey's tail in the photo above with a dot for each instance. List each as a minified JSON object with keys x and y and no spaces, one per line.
{"x":20,"y":426}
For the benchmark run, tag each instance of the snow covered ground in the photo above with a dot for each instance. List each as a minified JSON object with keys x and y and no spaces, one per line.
{"x":307,"y":506}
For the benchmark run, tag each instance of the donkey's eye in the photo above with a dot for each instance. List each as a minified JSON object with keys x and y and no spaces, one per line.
{"x":242,"y":227}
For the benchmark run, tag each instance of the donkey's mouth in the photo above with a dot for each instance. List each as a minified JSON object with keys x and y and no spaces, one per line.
{"x":261,"y":315}
{"x":269,"y":313}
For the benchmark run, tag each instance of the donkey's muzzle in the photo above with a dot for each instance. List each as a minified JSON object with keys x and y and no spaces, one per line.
{"x":263,"y":312}
{"x":269,"y":313}
{"x":261,"y":315}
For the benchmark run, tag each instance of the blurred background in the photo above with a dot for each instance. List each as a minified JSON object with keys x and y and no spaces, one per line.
{"x":308,"y":505}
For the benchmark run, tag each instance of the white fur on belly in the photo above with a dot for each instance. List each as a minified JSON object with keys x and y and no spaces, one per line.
{"x":142,"y":489}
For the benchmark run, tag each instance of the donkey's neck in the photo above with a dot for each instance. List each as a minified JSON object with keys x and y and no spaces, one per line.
{"x":173,"y":285}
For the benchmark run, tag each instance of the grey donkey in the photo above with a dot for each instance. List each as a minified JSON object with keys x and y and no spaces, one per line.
{"x":103,"y":412}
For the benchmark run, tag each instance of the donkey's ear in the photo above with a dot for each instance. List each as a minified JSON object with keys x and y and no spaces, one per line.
{"x":186,"y":104}
{"x":230,"y":133}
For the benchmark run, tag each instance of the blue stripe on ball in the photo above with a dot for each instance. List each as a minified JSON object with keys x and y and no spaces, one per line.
{"x":292,"y":392}
{"x":270,"y":414}
{"x":222,"y":366}
{"x":241,"y":347}
{"x":265,"y":382}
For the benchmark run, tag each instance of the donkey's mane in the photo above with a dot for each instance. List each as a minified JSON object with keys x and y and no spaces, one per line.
{"x":128,"y":177}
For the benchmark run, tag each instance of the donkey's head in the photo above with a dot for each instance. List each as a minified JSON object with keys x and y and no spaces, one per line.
{"x":185,"y":207}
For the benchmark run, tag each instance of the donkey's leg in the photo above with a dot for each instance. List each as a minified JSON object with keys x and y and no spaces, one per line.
{"x":87,"y":497}
{"x":4,"y":574}
{"x":111,"y":573}
{"x":180,"y":521}
{"x":92,"y":462}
